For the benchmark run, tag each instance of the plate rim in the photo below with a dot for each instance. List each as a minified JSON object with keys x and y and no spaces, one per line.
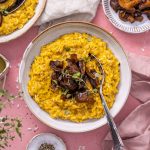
{"x":28,"y":49}
{"x":105,"y":5}
{"x":25,"y":30}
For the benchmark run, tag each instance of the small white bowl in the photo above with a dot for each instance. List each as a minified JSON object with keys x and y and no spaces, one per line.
{"x":48,"y":138}
{"x":136,"y":27}
{"x":50,"y":35}
{"x":17,"y":33}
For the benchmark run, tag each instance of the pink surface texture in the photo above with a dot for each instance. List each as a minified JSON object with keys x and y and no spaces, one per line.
{"x":13,"y":51}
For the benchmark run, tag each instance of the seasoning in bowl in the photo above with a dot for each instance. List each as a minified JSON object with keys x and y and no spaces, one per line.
{"x":46,"y":146}
{"x":46,"y":141}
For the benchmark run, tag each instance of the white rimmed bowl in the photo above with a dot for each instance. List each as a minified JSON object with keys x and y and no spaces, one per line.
{"x":17,"y":33}
{"x":136,"y":27}
{"x":50,"y":35}
{"x":48,"y":138}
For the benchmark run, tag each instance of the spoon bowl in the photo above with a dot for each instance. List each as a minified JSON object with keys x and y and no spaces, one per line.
{"x":13,"y":8}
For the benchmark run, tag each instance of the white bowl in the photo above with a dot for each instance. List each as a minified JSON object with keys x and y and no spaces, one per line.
{"x":48,"y":138}
{"x":136,"y":27}
{"x":50,"y":35}
{"x":38,"y":11}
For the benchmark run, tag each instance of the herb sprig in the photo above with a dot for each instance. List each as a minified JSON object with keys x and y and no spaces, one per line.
{"x":6,"y":97}
{"x":7,"y":128}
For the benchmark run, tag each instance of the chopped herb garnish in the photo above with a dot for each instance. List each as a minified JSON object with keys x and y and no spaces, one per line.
{"x":55,"y":82}
{"x":67,"y":49}
{"x":76,"y":75}
{"x":7,"y":128}
{"x":95,"y":90}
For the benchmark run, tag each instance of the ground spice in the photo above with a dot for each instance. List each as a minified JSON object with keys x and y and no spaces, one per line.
{"x":46,"y":146}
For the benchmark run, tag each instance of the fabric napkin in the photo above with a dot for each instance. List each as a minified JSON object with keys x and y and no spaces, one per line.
{"x":135,"y":129}
{"x":67,"y":10}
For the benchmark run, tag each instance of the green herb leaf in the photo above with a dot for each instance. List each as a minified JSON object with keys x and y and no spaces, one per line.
{"x":76,"y":75}
{"x":1,"y":106}
{"x":2,"y":92}
{"x":95,"y":90}
{"x":68,"y":95}
{"x":55,"y":81}
{"x":67,"y":49}
{"x":7,"y":128}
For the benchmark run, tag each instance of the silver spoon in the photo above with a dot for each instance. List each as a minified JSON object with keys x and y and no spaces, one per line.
{"x":14,"y":7}
{"x":10,"y":9}
{"x":118,"y":144}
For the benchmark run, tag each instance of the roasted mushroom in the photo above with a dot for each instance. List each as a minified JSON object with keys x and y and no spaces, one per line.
{"x":129,"y":5}
{"x":3,"y":1}
{"x":81,"y":65}
{"x":145,"y":5}
{"x":132,"y":10}
{"x":71,"y":79}
{"x":85,"y":96}
{"x":147,"y":12}
{"x":1,"y":19}
{"x":115,"y":5}
{"x":56,"y":65}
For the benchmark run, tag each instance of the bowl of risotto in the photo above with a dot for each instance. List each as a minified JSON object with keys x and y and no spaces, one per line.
{"x":60,"y":81}
{"x":13,"y":25}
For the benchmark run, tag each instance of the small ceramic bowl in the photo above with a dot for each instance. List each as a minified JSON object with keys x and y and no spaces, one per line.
{"x":136,"y":27}
{"x":39,"y":9}
{"x":50,"y":35}
{"x":48,"y":138}
{"x":4,"y":66}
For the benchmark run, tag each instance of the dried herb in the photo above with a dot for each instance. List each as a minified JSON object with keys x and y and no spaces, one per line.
{"x":8,"y":126}
{"x":67,"y":49}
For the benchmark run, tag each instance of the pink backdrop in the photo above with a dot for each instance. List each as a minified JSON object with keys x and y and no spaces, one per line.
{"x":137,"y":43}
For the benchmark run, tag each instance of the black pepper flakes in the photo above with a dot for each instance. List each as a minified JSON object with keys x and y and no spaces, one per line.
{"x":46,"y":146}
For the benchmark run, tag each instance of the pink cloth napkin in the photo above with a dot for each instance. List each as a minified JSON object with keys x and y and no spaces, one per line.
{"x":135,"y":129}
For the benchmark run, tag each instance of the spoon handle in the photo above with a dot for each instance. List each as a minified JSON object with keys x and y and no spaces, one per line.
{"x":118,"y":144}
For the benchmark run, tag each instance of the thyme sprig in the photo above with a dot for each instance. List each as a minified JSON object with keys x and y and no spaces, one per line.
{"x":9,"y":126}
{"x":6,"y":97}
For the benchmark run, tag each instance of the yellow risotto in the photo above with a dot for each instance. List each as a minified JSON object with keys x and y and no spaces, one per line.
{"x":39,"y":85}
{"x":17,"y":19}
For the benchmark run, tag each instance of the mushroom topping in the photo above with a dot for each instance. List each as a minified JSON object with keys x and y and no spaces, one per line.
{"x":115,"y":5}
{"x":81,"y":65}
{"x":147,"y":12}
{"x":84,"y":97}
{"x":3,"y":1}
{"x":132,"y":10}
{"x":56,"y":65}
{"x":144,"y":5}
{"x":71,"y":79}
{"x":1,"y":18}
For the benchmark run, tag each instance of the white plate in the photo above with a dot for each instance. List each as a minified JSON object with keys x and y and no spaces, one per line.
{"x":39,"y":9}
{"x":50,"y":35}
{"x":136,"y":27}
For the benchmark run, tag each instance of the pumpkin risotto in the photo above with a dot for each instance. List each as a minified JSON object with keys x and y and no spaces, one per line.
{"x":17,"y":19}
{"x":49,"y":99}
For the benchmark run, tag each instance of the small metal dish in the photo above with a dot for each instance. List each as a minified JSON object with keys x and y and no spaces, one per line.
{"x":4,"y":66}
